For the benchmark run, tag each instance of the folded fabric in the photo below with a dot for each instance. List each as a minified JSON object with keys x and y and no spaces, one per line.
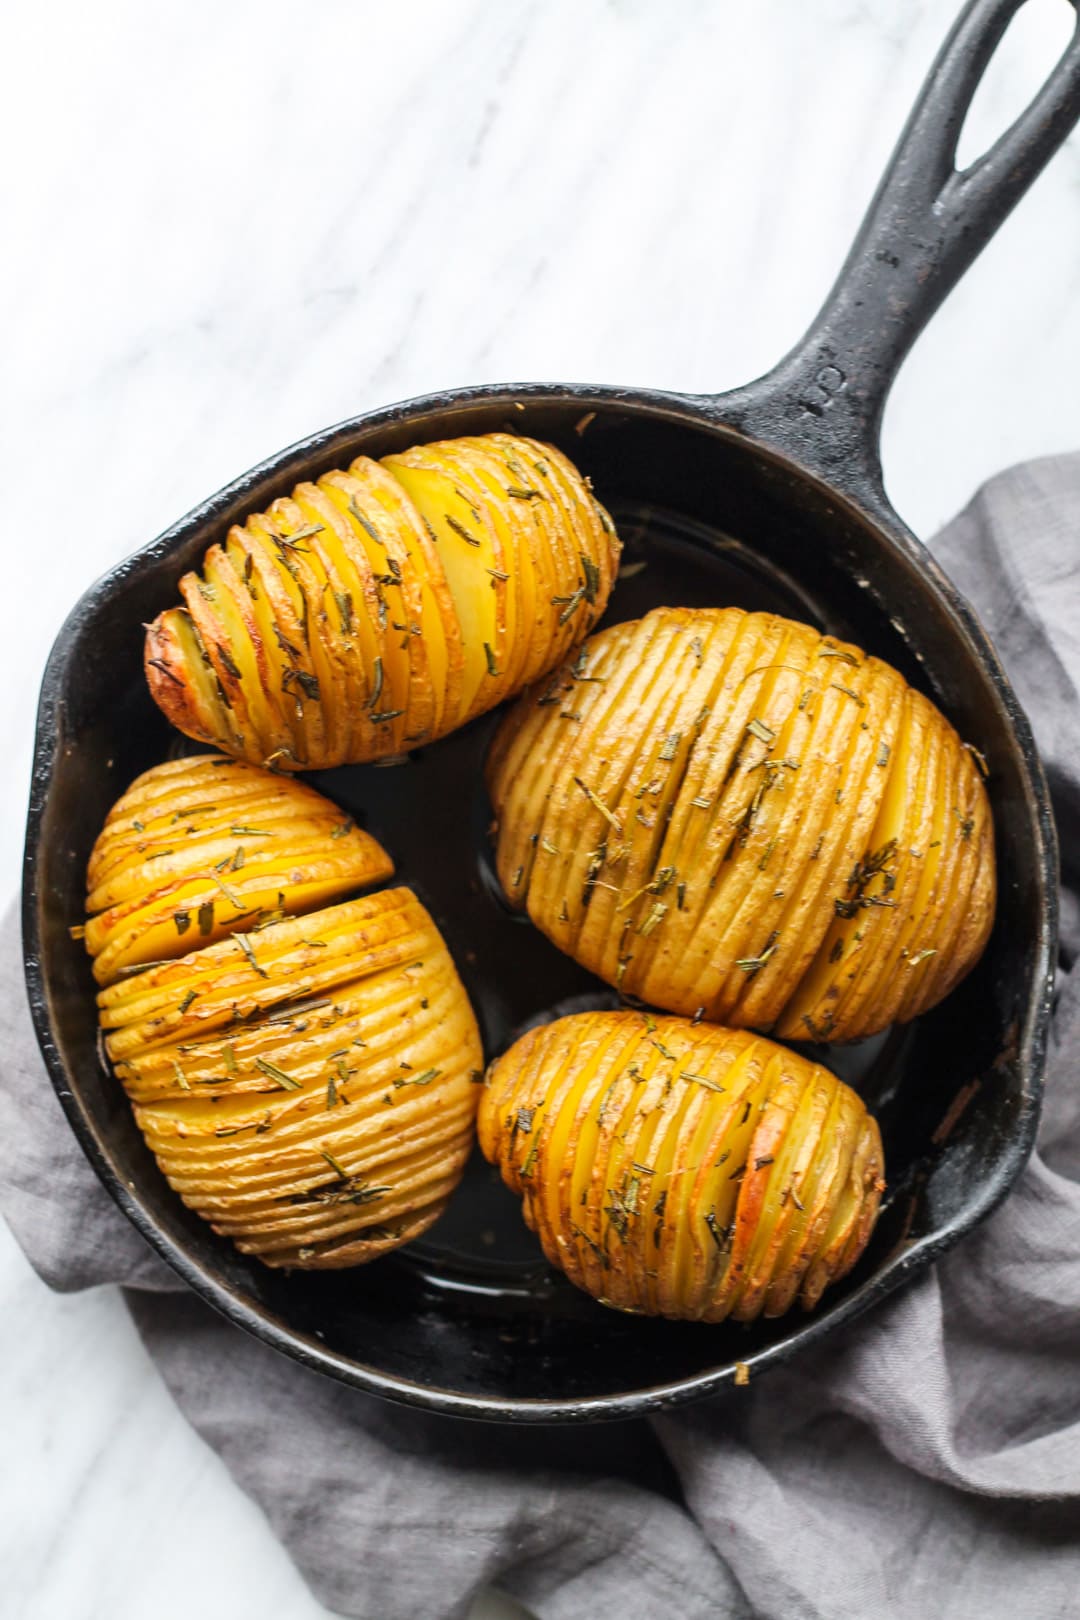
{"x":925,"y":1462}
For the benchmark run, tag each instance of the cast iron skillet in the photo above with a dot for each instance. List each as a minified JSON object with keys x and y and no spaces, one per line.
{"x":768,"y":497}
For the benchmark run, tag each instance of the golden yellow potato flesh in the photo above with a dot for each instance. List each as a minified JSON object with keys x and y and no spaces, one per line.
{"x":385,"y":605}
{"x":310,"y":1087}
{"x":680,"y":1169}
{"x":729,"y":814}
{"x":199,"y":847}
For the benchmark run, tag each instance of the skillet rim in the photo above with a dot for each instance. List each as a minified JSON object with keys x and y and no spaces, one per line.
{"x":684,"y":410}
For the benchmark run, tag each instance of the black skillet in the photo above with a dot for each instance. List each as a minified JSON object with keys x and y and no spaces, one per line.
{"x":768,"y":497}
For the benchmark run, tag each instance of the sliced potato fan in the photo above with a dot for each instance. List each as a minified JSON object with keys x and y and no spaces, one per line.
{"x":385,"y":605}
{"x":683,"y":1170}
{"x":199,"y":847}
{"x":310,"y":1087}
{"x":729,"y":814}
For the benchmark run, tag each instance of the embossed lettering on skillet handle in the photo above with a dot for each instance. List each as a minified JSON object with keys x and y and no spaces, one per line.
{"x":927,"y":222}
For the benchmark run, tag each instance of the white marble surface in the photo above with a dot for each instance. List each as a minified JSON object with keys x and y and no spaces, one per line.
{"x":229,"y":224}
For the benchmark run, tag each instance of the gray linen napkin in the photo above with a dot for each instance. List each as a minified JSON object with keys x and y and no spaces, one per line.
{"x":924,"y":1463}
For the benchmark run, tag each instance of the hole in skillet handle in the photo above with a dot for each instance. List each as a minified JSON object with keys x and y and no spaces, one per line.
{"x":1031,"y":45}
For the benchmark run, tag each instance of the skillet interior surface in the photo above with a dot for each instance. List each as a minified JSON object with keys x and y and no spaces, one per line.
{"x":471,"y":1319}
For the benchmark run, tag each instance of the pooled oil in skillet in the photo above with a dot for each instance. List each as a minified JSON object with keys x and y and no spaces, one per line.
{"x":432,"y":813}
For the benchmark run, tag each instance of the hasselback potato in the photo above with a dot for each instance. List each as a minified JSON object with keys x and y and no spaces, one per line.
{"x":683,"y":1170}
{"x":382,"y":607}
{"x":309,"y":1088}
{"x":728,"y":814}
{"x":199,"y":847}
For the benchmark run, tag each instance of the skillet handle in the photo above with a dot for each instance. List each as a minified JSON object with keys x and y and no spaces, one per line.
{"x":823,"y":403}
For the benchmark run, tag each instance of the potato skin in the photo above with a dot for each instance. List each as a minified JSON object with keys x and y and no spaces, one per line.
{"x":386,"y":605}
{"x":729,"y":813}
{"x":683,"y":1170}
{"x":200,"y":846}
{"x":309,"y":1089}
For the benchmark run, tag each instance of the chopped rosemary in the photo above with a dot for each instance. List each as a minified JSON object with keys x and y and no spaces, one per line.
{"x":598,"y":804}
{"x":572,"y":604}
{"x":181,"y":1077}
{"x":343,"y":600}
{"x":883,"y":756}
{"x":239,"y":831}
{"x":182,"y":919}
{"x":522,"y":1121}
{"x":489,"y":654}
{"x":759,"y":729}
{"x":424,"y":1079}
{"x":671,"y":746}
{"x":655,"y":917}
{"x":871,"y":866}
{"x":285,"y":1081}
{"x":162,"y":666}
{"x":836,"y":687}
{"x":188,"y":999}
{"x":245,"y":945}
{"x":754,"y":964}
{"x":701,"y":1079}
{"x":459,"y":528}
{"x":377,"y":685}
{"x":838,"y":652}
{"x":206,"y":917}
{"x":365,"y":522}
{"x":592,"y":578}
{"x":343,"y":827}
{"x":520,"y":494}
